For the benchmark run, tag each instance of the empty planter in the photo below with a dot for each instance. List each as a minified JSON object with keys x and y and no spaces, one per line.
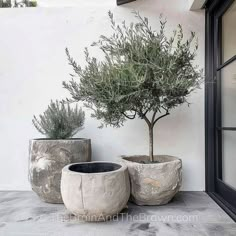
{"x":95,"y":191}
{"x":48,"y":157}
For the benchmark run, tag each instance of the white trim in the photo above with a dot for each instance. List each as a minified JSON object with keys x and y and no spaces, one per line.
{"x":196,"y":4}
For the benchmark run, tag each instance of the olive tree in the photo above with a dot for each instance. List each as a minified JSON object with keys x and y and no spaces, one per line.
{"x":144,"y":74}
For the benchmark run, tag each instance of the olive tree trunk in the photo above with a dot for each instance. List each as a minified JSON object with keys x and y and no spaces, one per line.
{"x":151,"y":123}
{"x":151,"y":143}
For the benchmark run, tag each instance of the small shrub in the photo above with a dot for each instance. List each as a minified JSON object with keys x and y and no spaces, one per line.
{"x":59,"y":121}
{"x":17,"y":3}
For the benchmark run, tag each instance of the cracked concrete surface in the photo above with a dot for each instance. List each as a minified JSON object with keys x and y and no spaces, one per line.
{"x":189,"y":213}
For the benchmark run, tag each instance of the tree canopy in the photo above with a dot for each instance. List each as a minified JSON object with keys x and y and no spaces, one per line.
{"x":143,"y":71}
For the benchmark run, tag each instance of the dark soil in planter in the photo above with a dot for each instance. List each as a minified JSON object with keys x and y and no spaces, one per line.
{"x":144,"y":159}
{"x":147,"y":162}
{"x":94,"y":167}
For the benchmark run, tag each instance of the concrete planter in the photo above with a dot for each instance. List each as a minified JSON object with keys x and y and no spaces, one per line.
{"x":47,"y":158}
{"x":154,"y":184}
{"x":95,"y":191}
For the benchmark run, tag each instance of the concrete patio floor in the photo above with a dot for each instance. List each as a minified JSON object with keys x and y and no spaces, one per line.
{"x":189,"y":214}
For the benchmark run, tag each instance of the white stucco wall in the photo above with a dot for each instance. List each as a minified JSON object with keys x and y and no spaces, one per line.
{"x":33,"y":65}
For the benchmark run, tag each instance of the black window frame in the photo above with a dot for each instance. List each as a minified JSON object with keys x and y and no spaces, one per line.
{"x":215,"y":187}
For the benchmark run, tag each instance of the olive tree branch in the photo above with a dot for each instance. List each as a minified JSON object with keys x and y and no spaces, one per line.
{"x":131,"y":117}
{"x":153,"y":117}
{"x":147,"y":120}
{"x":158,"y":118}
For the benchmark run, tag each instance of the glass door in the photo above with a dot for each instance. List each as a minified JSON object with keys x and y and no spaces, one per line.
{"x":220,"y":103}
{"x":225,"y":73}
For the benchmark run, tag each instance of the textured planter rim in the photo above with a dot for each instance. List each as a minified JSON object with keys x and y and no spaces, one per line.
{"x":51,"y":139}
{"x":121,"y":167}
{"x":171,"y":159}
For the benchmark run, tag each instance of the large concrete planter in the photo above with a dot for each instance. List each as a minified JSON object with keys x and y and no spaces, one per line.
{"x":95,"y":191}
{"x":47,"y":158}
{"x":155,"y":183}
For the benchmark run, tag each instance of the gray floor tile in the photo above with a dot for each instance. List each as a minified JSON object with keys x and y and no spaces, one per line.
{"x":197,"y":199}
{"x":22,"y":198}
{"x":189,"y":214}
{"x":219,"y":229}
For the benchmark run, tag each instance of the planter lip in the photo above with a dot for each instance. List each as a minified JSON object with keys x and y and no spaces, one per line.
{"x":175,"y":159}
{"x":66,"y":169}
{"x":61,"y":140}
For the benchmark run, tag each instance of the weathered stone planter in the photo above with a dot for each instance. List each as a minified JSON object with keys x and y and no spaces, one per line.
{"x":47,"y":158}
{"x":95,"y":191}
{"x":155,"y":183}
